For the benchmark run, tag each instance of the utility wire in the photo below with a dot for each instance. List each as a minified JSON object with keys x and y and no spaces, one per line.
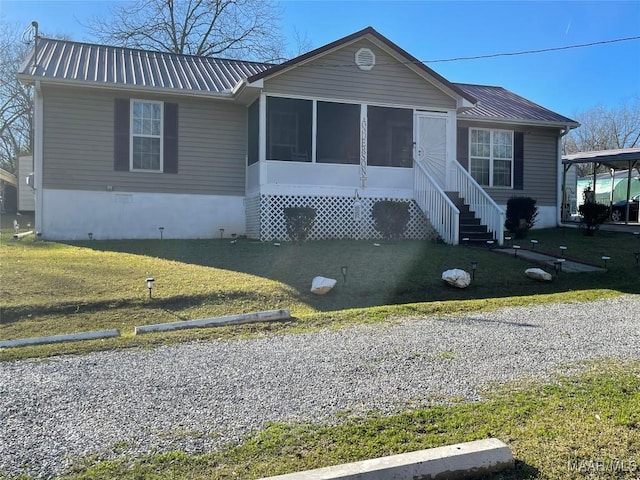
{"x":528,"y":52}
{"x":494,"y":55}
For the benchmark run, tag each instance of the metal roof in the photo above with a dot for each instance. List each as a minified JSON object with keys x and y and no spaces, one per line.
{"x":618,"y":158}
{"x":64,"y":60}
{"x":101,"y":65}
{"x":8,"y":177}
{"x":501,"y":104}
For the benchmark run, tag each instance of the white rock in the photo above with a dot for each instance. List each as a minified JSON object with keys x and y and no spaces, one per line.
{"x":457,"y":277}
{"x":322,"y":285}
{"x":538,"y":274}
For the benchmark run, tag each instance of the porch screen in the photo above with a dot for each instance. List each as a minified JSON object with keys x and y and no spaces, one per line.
{"x":338,"y":133}
{"x":390,"y":137}
{"x":289,"y":129}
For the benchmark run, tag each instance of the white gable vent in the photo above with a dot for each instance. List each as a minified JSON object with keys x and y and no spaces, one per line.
{"x":365,"y":59}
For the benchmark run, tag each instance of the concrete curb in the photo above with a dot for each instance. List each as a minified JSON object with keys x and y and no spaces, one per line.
{"x":71,"y":337}
{"x":460,"y":461}
{"x":267,"y":316}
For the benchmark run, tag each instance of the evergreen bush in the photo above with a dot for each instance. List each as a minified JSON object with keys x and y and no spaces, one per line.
{"x":592,"y":215}
{"x":391,"y":218}
{"x":521,"y":216}
{"x":299,"y":221}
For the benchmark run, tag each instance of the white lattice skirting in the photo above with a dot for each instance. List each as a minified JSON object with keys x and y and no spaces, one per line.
{"x":334,"y":218}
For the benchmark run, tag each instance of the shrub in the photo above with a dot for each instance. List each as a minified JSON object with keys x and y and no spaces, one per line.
{"x":521,"y":215}
{"x":391,"y":218}
{"x":592,"y":216}
{"x":299,"y":222}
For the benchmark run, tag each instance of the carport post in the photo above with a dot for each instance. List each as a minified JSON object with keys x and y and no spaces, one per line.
{"x":626,"y":210}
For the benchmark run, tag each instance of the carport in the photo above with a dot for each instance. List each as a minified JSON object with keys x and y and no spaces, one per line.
{"x":621,"y":159}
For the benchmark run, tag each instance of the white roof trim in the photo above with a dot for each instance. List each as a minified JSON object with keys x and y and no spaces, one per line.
{"x":30,"y":80}
{"x":518,"y":121}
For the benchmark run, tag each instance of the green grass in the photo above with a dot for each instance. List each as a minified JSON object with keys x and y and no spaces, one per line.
{"x":49,"y":288}
{"x":551,"y":428}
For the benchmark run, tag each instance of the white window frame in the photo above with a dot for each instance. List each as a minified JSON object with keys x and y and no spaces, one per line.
{"x":314,"y":122}
{"x":160,"y":137}
{"x":491,"y":157}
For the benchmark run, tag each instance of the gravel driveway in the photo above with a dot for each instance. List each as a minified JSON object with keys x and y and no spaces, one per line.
{"x":195,"y":396}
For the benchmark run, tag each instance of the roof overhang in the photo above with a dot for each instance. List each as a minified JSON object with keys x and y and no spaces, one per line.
{"x":8,"y":177}
{"x":246,"y":93}
{"x":29,"y":80}
{"x":625,"y":158}
{"x":519,"y":121}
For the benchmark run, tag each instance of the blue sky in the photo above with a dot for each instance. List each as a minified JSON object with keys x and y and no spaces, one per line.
{"x":567,"y":81}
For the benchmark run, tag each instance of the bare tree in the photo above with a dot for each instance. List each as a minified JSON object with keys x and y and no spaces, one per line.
{"x":247,"y":29}
{"x":15,"y":101}
{"x":606,"y":128}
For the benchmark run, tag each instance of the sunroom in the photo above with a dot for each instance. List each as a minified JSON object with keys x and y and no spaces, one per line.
{"x":338,"y":157}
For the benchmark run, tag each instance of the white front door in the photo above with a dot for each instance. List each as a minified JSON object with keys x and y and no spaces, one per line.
{"x":431,"y":144}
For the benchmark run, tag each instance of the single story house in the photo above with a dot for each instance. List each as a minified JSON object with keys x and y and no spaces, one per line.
{"x":128,"y":142}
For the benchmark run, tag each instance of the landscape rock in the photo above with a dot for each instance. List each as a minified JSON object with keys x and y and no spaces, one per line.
{"x":322,"y":285}
{"x":538,"y":274}
{"x":457,"y":277}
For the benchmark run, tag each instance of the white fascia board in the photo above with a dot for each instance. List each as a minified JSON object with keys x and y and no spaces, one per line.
{"x":131,"y":88}
{"x":243,"y":85}
{"x":514,"y":121}
{"x":246,"y":93}
{"x":464,"y":105}
{"x":257,"y":84}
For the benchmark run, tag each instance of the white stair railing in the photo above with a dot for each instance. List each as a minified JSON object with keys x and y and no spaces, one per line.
{"x":436,"y":205}
{"x":489,"y":212}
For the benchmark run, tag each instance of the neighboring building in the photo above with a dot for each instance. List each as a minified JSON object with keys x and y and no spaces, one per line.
{"x":26,"y":194}
{"x":128,"y":141}
{"x":8,"y":194}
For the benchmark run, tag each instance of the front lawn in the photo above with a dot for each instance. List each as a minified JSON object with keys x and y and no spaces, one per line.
{"x":49,"y":288}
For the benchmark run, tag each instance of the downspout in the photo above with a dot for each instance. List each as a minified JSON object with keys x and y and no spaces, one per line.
{"x":561,"y":176}
{"x":38,"y":156}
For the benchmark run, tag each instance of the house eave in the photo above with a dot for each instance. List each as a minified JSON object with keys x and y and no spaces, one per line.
{"x":245,"y":93}
{"x":29,"y":80}
{"x":519,"y":121}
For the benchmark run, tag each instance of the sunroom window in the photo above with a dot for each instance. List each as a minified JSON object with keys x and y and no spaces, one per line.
{"x":338,"y":133}
{"x":390,"y":137}
{"x":491,"y":157}
{"x":146,"y":135}
{"x":289,"y":129}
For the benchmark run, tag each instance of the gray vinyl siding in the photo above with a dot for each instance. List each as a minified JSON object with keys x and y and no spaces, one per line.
{"x":79,"y":135}
{"x":540,"y":164}
{"x":335,"y":76}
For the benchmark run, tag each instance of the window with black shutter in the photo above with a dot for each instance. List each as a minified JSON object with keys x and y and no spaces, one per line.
{"x":145,"y":136}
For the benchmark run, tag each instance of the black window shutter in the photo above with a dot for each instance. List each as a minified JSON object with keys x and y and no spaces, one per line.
{"x":463,"y":147}
{"x":518,"y":160}
{"x":121,"y":134}
{"x":170,"y":138}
